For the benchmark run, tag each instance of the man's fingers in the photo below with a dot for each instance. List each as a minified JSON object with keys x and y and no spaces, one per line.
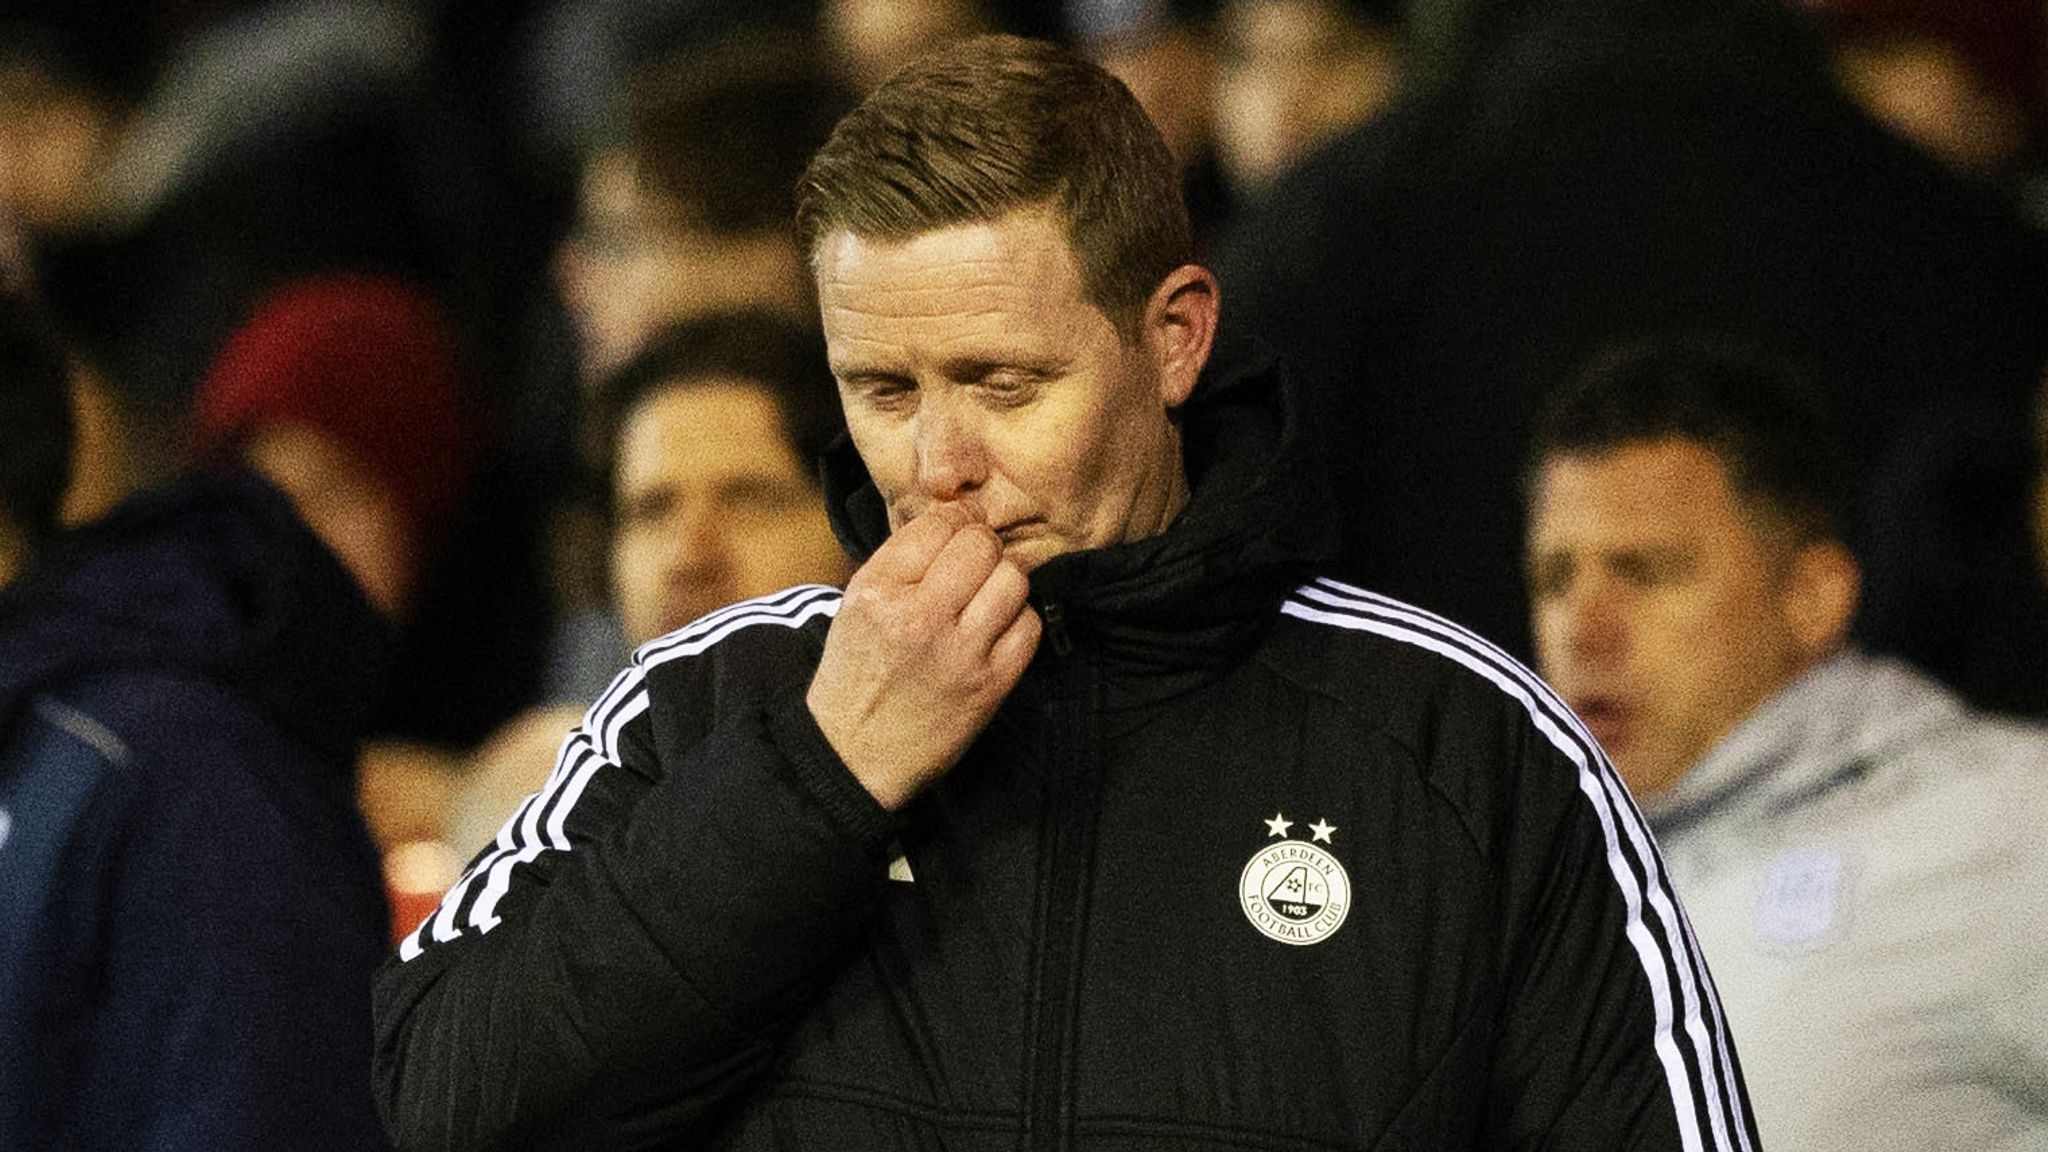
{"x":1014,"y":648}
{"x":996,"y":603}
{"x":960,"y":568}
{"x":910,"y":550}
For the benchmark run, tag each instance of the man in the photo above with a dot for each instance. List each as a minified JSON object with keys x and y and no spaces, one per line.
{"x":191,"y":908}
{"x":1861,"y":853}
{"x":709,"y":433}
{"x":713,"y":431}
{"x":347,"y":392}
{"x":1186,"y":853}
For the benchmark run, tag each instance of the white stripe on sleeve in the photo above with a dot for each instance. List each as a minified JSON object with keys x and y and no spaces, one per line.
{"x":1621,"y":827}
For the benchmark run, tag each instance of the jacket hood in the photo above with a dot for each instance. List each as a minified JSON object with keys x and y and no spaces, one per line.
{"x":213,"y":576}
{"x":1258,"y":523}
{"x":1844,"y":715}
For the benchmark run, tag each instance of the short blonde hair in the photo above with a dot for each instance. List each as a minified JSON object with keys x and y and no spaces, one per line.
{"x":996,"y":124}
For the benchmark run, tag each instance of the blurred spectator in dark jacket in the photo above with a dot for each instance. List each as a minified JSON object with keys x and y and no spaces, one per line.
{"x":192,"y":908}
{"x":1592,"y":171}
{"x":347,"y":392}
{"x":296,"y":138}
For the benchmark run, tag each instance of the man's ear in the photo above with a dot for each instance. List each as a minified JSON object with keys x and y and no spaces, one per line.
{"x":1822,"y":587}
{"x":1180,"y":329}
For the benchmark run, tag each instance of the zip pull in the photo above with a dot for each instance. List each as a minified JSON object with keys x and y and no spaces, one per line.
{"x":1056,"y":630}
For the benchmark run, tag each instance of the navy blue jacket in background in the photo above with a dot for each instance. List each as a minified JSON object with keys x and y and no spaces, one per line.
{"x":190,"y":906}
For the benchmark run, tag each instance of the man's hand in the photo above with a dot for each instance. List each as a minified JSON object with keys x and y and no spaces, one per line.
{"x":933,"y":633}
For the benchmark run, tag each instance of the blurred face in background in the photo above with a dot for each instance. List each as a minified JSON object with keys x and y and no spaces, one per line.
{"x":873,"y":38}
{"x":714,"y":505}
{"x":1172,"y":72}
{"x":1665,"y":608}
{"x":1924,"y":89}
{"x":55,"y":141}
{"x":634,"y":264}
{"x":1295,"y":74}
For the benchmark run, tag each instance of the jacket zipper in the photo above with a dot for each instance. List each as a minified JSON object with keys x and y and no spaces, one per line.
{"x":1056,"y":634}
{"x":1069,"y":849}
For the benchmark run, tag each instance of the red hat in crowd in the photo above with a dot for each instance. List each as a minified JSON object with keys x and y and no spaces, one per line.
{"x":369,"y":361}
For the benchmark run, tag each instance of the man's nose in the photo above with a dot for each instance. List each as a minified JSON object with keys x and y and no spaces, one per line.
{"x":696,"y":539}
{"x":1591,"y":621}
{"x":952,"y":460}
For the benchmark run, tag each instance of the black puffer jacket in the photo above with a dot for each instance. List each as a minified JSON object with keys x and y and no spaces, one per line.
{"x":1244,"y":862}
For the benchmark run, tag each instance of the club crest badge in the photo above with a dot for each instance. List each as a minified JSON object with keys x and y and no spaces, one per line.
{"x":1294,"y":891}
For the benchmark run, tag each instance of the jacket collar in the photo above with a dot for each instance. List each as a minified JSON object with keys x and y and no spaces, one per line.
{"x":1176,"y":607}
{"x":1825,"y":728}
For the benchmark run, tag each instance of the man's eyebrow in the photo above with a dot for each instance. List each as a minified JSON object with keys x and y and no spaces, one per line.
{"x":1658,"y":550}
{"x":858,"y":373}
{"x":1653,"y":555}
{"x":979,"y":367}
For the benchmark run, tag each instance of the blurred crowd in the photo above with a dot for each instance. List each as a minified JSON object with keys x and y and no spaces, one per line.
{"x":504,"y":299}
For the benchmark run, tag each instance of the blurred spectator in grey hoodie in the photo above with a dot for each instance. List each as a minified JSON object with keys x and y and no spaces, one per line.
{"x":1859,"y":851}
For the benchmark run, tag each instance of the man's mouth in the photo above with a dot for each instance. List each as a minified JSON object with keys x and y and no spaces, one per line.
{"x":1610,"y":719}
{"x":1016,"y":530}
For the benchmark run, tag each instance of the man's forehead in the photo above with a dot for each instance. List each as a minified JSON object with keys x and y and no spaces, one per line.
{"x":1653,"y":489}
{"x":1035,"y":237}
{"x":1656,"y":468}
{"x":989,"y":291}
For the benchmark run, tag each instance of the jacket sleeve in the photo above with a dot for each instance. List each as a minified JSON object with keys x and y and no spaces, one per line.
{"x":1612,"y":1036}
{"x":617,"y":968}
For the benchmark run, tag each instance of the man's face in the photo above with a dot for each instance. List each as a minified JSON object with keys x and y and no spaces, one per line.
{"x":1661,"y":612}
{"x":714,"y":506}
{"x":973,"y":369}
